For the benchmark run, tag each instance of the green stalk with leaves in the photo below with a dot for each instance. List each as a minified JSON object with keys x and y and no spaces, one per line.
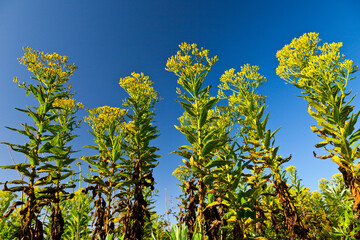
{"x":259,"y":141}
{"x":322,"y":73}
{"x":47,"y":147}
{"x":191,"y":65}
{"x":140,"y":157}
{"x":108,"y":126}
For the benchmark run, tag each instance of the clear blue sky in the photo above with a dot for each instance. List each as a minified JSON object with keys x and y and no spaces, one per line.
{"x":110,"y":39}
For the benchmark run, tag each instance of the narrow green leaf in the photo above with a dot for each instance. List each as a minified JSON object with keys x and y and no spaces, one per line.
{"x":34,"y":116}
{"x":17,"y":182}
{"x":202,"y":118}
{"x":198,"y":84}
{"x":354,"y":137}
{"x":210,"y":104}
{"x":183,"y":153}
{"x":267,"y":139}
{"x":321,"y":144}
{"x":209,"y":147}
{"x":216,"y":163}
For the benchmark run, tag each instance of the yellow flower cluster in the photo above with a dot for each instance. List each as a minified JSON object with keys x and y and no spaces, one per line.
{"x":310,"y":63}
{"x":248,"y":74}
{"x":102,"y":118}
{"x":190,"y":61}
{"x":67,"y":104}
{"x":316,"y":195}
{"x":294,"y":56}
{"x":47,"y":67}
{"x":247,"y":80}
{"x":323,"y":183}
{"x":337,"y":177}
{"x":138,"y":86}
{"x":290,"y":169}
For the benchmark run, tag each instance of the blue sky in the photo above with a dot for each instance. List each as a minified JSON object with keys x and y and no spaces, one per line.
{"x":110,"y":39}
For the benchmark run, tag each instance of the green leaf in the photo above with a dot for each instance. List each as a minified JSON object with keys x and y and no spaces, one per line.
{"x":16,"y":189}
{"x":354,"y":137}
{"x":188,"y":108}
{"x":210,"y":104}
{"x":183,"y":153}
{"x":336,"y":115}
{"x":274,"y":153}
{"x":321,"y":144}
{"x":95,"y":180}
{"x":45,"y":148}
{"x":273,"y":133}
{"x":44,"y":181}
{"x":17,"y":182}
{"x":198,"y":83}
{"x":187,"y":147}
{"x":40,"y":96}
{"x":59,"y":151}
{"x":34,"y":116}
{"x":185,"y":84}
{"x":209,"y":147}
{"x":350,"y":125}
{"x":92,"y":147}
{"x":336,"y":141}
{"x":22,"y":110}
{"x":47,"y":168}
{"x":16,"y":166}
{"x":215,"y":203}
{"x":259,"y":129}
{"x":205,"y":90}
{"x":64,"y":186}
{"x":217,"y":163}
{"x":267,"y":139}
{"x":190,"y":136}
{"x":210,"y":135}
{"x":202,"y":118}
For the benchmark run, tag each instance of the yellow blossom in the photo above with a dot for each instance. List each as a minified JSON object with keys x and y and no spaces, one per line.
{"x":290,"y":169}
{"x":246,"y":80}
{"x":48,"y":68}
{"x":102,"y":118}
{"x":294,"y":56}
{"x":190,"y":62}
{"x":138,"y":86}
{"x":67,"y":104}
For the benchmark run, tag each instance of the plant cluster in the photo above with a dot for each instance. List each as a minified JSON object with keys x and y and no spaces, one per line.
{"x":233,"y":181}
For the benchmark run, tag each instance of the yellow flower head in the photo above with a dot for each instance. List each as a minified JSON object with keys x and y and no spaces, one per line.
{"x":190,"y":61}
{"x":242,"y":84}
{"x":337,"y":178}
{"x":311,"y":64}
{"x":138,"y":86}
{"x":67,"y":104}
{"x":102,"y":118}
{"x":290,"y":169}
{"x":316,"y":195}
{"x":294,"y":56}
{"x":48,"y":68}
{"x":323,"y":183}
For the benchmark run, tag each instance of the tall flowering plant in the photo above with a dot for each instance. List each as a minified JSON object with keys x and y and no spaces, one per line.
{"x":107,"y":125}
{"x":191,"y":65}
{"x":322,"y":73}
{"x":249,"y":108}
{"x":140,"y":156}
{"x":48,"y":149}
{"x":125,"y":160}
